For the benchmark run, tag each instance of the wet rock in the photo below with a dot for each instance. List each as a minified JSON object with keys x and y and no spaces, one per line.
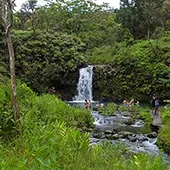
{"x":131,"y":138}
{"x":85,"y":129}
{"x":98,"y":135}
{"x":108,"y":136}
{"x":154,"y":128}
{"x":129,"y":122}
{"x":94,"y":140}
{"x":121,"y":136}
{"x":108,"y":132}
{"x":114,"y":131}
{"x":115,"y":136}
{"x":125,"y":113}
{"x":140,"y":137}
{"x":89,"y":130}
{"x":125,"y":134}
{"x":152,"y":135}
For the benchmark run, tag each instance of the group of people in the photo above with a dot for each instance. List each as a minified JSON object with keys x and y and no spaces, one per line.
{"x":155,"y":105}
{"x":131,"y":103}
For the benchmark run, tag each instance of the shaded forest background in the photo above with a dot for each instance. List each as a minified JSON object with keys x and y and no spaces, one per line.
{"x":129,"y":46}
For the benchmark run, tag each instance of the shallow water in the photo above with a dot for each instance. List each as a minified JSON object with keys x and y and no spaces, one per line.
{"x":138,"y":135}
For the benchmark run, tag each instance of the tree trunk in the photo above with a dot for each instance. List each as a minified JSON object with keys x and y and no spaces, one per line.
{"x":6,"y":10}
{"x":12,"y":72}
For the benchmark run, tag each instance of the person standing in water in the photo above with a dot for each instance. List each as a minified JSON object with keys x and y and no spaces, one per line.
{"x":86,"y":104}
{"x":125,"y":103}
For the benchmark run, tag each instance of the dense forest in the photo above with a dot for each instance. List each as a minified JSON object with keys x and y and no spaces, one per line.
{"x":129,"y":48}
{"x":53,"y":41}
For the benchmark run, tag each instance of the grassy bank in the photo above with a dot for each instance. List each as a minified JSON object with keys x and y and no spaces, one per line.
{"x":164,"y":135}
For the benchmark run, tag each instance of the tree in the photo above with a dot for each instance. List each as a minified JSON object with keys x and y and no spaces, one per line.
{"x":29,"y":9}
{"x":49,"y":59}
{"x":6,"y":7}
{"x":141,"y":17}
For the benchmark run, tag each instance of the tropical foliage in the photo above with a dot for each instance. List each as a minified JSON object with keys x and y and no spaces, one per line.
{"x":130,"y":48}
{"x":143,"y":72}
{"x":48,"y":60}
{"x":164,"y":138}
{"x":48,"y":138}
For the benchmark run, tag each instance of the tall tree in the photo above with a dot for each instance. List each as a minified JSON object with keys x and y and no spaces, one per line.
{"x":141,"y":17}
{"x":28,"y":9}
{"x":6,"y":9}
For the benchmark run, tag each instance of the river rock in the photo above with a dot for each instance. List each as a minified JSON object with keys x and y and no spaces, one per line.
{"x":108,"y":136}
{"x":94,"y":141}
{"x":125,"y":113}
{"x":89,"y":130}
{"x":115,"y":136}
{"x":121,"y":136}
{"x":141,"y":137}
{"x":108,"y":132}
{"x":152,"y":135}
{"x":98,"y":135}
{"x":129,"y":122}
{"x":131,"y":138}
{"x":125,"y":134}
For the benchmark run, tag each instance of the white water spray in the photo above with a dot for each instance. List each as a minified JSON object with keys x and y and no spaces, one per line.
{"x":84,"y":87}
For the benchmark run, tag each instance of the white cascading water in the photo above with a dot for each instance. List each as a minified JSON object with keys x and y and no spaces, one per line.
{"x":84,"y":87}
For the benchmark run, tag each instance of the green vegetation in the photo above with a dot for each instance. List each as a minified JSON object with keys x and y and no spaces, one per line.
{"x":48,"y":138}
{"x":146,"y":116}
{"x":130,"y":48}
{"x":137,"y":112}
{"x":109,"y":109}
{"x":133,"y":71}
{"x":49,"y":59}
{"x":164,"y":136}
{"x":52,"y":42}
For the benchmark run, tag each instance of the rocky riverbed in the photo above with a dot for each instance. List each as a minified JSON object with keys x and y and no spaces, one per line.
{"x":121,"y":128}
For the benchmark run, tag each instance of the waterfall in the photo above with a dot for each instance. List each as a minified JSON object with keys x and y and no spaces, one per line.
{"x":84,"y":87}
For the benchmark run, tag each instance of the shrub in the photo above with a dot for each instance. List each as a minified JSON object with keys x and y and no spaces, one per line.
{"x":165,"y":114}
{"x":25,"y":98}
{"x":109,"y":109}
{"x":164,"y":138}
{"x":48,"y":108}
{"x":146,"y":116}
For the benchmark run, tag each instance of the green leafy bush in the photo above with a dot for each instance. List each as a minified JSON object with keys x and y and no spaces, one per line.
{"x":132,"y":70}
{"x":146,"y":116}
{"x":6,"y":112}
{"x":53,"y":57}
{"x":25,"y":99}
{"x":109,"y":109}
{"x":49,"y":108}
{"x":164,"y":135}
{"x":164,"y":138}
{"x":165,"y":115}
